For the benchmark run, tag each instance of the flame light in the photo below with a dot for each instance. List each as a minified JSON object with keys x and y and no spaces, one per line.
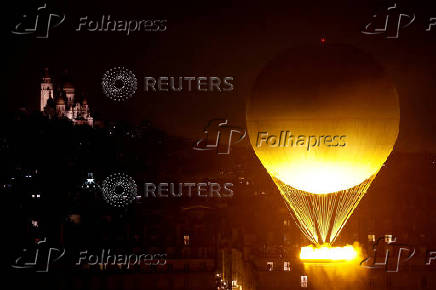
{"x":326,"y":253}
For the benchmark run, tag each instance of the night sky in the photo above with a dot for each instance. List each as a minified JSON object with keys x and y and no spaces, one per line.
{"x":220,"y":38}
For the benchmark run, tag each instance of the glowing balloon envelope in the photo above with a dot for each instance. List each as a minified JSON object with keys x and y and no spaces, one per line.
{"x":323,"y":120}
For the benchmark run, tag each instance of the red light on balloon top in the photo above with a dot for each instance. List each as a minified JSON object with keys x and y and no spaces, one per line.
{"x":322,"y":42}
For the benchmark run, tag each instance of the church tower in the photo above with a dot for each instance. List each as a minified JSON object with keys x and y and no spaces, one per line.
{"x":60,"y":107}
{"x":69,"y":93}
{"x":46,"y":89}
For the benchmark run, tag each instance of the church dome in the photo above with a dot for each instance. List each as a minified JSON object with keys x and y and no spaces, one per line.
{"x":68,"y":85}
{"x":50,"y":102}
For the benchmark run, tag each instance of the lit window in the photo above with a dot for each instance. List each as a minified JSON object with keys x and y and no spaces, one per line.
{"x":371,"y":238}
{"x":35,"y":223}
{"x":75,"y":218}
{"x":234,"y":283}
{"x":186,"y":240}
{"x":389,"y":239}
{"x":304,"y":281}
{"x":286,"y":266}
{"x":269,"y":266}
{"x":90,"y":178}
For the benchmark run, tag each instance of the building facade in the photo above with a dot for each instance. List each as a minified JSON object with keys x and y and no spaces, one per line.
{"x":60,"y":101}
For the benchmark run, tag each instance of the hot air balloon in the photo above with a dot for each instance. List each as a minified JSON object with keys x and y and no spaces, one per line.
{"x":323,"y":120}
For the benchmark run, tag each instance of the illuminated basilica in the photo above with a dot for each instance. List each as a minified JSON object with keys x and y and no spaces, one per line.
{"x":60,"y":102}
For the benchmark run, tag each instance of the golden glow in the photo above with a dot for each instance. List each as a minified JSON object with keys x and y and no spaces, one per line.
{"x":322,"y":177}
{"x":325,"y":272}
{"x":367,"y":116}
{"x":327,"y":253}
{"x":324,"y":169}
{"x":322,"y":93}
